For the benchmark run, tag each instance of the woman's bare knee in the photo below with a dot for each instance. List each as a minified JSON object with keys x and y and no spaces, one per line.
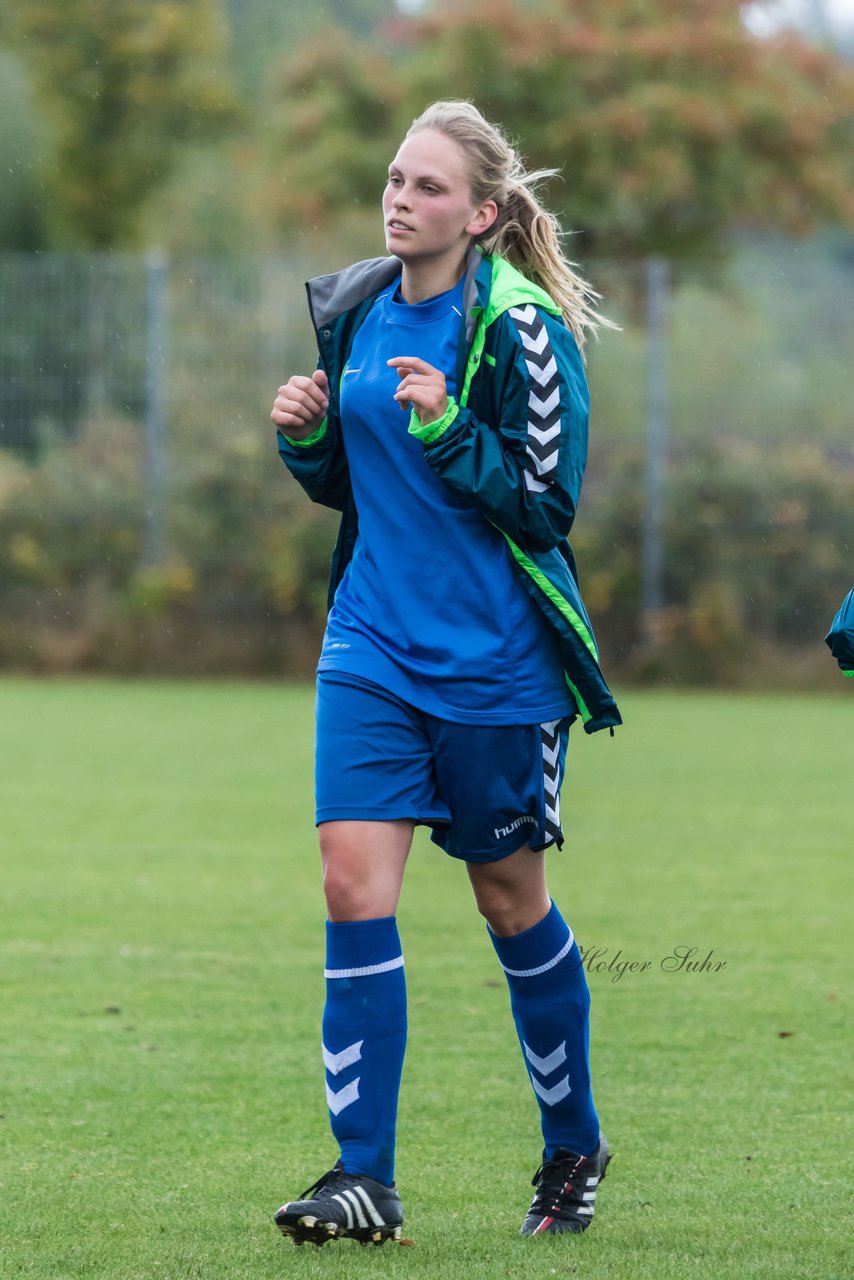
{"x":363,"y":865}
{"x":506,"y":916}
{"x":511,"y":894}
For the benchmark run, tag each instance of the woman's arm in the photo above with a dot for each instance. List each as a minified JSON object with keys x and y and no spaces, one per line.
{"x":309,"y":439}
{"x":523,"y":469}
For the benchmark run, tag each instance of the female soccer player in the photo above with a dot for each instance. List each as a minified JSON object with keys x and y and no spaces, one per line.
{"x":457,"y":649}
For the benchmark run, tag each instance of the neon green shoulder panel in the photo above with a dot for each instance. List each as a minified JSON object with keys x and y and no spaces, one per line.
{"x":511,"y":289}
{"x":508,"y":288}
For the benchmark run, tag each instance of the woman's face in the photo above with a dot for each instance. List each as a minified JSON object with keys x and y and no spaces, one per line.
{"x":427,"y":205}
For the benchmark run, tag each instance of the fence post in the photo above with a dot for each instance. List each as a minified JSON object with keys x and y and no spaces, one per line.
{"x":655,"y":469}
{"x":156,"y":357}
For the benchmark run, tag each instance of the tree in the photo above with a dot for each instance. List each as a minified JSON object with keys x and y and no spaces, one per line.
{"x":123,"y":87}
{"x":331,"y":137}
{"x":264,"y":31}
{"x":21,"y":224}
{"x":671,"y":122}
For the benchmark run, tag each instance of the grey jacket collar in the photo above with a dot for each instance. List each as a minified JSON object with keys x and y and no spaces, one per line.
{"x":330,"y":296}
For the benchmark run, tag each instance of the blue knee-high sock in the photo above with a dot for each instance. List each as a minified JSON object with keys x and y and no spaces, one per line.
{"x":551,"y":1002}
{"x":364,"y":1038}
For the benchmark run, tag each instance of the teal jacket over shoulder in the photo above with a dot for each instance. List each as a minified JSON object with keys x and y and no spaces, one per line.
{"x":515,"y":444}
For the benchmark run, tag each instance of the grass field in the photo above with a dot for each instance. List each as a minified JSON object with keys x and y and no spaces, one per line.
{"x":161,"y":959}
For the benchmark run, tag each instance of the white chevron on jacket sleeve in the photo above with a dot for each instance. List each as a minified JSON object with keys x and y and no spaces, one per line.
{"x":544,"y":437}
{"x":544,"y":425}
{"x":526,"y":314}
{"x":542,"y":374}
{"x":535,"y":342}
{"x":545,"y":407}
{"x":542,"y":465}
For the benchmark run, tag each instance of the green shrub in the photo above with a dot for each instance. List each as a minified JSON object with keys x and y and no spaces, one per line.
{"x":758,"y":556}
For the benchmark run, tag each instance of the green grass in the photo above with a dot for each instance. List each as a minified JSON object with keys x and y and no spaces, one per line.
{"x":161,"y":956}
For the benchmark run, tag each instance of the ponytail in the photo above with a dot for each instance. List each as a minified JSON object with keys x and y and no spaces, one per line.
{"x":525,"y":233}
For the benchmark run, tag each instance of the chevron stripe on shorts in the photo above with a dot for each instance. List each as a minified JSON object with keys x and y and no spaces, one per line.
{"x":543,"y":399}
{"x":550,"y":735}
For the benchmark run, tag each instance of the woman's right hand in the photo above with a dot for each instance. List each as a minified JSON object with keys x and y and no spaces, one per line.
{"x":301,"y":405}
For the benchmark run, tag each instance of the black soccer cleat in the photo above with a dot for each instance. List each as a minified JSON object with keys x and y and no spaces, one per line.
{"x":343,"y":1206}
{"x":566,"y":1192}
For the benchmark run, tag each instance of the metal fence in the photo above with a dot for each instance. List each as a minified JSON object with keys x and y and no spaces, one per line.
{"x":178,"y":361}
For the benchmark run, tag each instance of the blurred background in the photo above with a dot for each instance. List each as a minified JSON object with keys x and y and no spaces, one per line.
{"x":172,"y":172}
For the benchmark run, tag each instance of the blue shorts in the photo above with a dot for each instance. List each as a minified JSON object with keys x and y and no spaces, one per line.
{"x":486,"y":790}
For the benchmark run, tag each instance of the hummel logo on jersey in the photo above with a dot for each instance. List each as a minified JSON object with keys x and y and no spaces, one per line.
{"x":514,"y":826}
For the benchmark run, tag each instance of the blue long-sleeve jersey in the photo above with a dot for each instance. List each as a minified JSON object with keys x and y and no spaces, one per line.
{"x":430,"y":606}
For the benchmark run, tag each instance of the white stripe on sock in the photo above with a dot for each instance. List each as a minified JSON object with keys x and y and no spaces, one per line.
{"x":543,"y":968}
{"x":367,"y":971}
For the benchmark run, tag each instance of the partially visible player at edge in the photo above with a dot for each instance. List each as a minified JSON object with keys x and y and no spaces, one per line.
{"x":457,"y":651}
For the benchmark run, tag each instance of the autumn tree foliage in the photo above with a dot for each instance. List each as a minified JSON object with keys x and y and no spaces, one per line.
{"x":334,"y":119}
{"x":123,"y":86}
{"x":670,"y":122}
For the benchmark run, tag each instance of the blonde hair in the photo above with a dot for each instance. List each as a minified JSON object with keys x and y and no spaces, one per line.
{"x":525,"y":232}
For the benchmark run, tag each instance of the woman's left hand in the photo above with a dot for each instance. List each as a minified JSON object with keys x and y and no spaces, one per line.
{"x":421,"y":386}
